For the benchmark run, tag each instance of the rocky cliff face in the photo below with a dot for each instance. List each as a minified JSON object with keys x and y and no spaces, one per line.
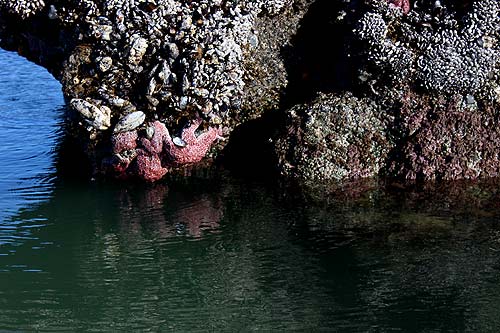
{"x":406,"y":89}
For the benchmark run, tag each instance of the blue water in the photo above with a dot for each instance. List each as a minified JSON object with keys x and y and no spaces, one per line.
{"x":224,"y":253}
{"x":30,"y":112}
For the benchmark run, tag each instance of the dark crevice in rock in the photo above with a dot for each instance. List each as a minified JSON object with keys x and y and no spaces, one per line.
{"x":250,"y":149}
{"x":72,"y":163}
{"x":318,"y":59}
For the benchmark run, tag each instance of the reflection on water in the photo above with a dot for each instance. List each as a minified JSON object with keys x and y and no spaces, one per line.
{"x":225,"y":254}
{"x":146,"y":208}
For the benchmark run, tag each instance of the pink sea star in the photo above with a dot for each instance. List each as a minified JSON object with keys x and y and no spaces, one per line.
{"x":403,"y":4}
{"x":160,"y":151}
{"x":149,"y":166}
{"x":155,"y":155}
{"x":149,"y":162}
{"x":124,"y":145}
{"x":155,"y":144}
{"x":195,"y":148}
{"x":124,"y":141}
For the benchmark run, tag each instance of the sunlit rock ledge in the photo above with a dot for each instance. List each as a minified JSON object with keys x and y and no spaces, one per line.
{"x":315,"y":90}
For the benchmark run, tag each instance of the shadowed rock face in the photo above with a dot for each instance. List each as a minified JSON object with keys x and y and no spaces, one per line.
{"x":411,"y":89}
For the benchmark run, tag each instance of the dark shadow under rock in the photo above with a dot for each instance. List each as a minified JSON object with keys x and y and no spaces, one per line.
{"x":250,"y":151}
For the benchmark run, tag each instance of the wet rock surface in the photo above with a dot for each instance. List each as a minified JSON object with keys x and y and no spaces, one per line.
{"x":410,"y":89}
{"x":446,"y":138}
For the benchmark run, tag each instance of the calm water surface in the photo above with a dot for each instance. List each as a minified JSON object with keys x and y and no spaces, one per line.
{"x":225,"y":254}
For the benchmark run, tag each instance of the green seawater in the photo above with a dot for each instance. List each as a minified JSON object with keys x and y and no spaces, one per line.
{"x":226,"y":254}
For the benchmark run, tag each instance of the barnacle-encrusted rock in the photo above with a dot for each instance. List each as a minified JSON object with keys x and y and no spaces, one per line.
{"x":334,"y":138}
{"x":176,"y":61}
{"x":423,"y":88}
{"x":137,"y":49}
{"x":104,"y":63}
{"x":421,"y":137}
{"x":434,"y":48}
{"x":24,"y":8}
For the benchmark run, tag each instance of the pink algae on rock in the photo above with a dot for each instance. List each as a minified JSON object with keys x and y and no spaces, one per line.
{"x":446,"y":140}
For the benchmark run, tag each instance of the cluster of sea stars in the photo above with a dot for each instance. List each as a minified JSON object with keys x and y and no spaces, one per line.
{"x":150,"y":158}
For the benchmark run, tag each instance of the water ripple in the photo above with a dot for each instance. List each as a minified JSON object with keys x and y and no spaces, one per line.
{"x":29,"y":126}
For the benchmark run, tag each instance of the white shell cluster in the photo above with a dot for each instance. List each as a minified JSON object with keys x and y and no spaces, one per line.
{"x":97,"y":116}
{"x":23,"y":8}
{"x":440,"y":53}
{"x":130,"y":122}
{"x":190,"y":53}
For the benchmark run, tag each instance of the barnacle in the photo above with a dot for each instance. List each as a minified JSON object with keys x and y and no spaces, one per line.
{"x":201,"y":45}
{"x":442,"y":53}
{"x":24,"y":8}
